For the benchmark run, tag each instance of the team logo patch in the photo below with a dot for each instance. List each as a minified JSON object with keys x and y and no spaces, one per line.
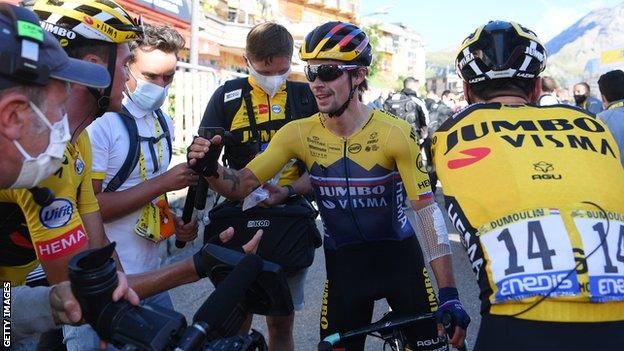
{"x":474,"y":155}
{"x":355,"y":148}
{"x":62,"y":245}
{"x":231,"y":95}
{"x":262,"y":108}
{"x":56,"y":214}
{"x":79,"y":166}
{"x":276,"y":108}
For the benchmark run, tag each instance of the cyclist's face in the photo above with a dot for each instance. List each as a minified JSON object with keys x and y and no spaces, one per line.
{"x":121,"y":76}
{"x":330,"y":95}
{"x":152,"y":65}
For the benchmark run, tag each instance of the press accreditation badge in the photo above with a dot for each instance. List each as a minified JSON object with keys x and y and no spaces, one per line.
{"x":602,"y":234}
{"x":529,"y":254}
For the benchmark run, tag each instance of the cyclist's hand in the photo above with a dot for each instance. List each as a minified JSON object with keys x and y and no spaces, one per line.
{"x":178,"y":177}
{"x":185,"y":232}
{"x":451,"y":306}
{"x":203,"y":155}
{"x":277,"y":195}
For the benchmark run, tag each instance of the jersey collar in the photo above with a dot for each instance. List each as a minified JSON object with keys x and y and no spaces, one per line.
{"x":615,"y":104}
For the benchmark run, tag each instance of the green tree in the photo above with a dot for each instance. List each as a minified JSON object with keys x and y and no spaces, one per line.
{"x":373,"y":32}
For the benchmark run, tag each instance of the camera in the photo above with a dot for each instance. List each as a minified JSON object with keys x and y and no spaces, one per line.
{"x":241,"y":279}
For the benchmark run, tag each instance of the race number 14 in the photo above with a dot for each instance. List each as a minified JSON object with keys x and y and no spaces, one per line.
{"x":602,"y":234}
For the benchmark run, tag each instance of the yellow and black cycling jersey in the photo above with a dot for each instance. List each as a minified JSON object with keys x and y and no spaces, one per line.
{"x":29,"y":232}
{"x":360,"y":181}
{"x":536,"y":195}
{"x":270,"y":114}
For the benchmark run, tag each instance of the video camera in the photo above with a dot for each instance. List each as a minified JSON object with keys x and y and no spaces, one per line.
{"x":242,"y":281}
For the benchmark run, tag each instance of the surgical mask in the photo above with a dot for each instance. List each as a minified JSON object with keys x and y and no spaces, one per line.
{"x":579,"y":99}
{"x":147,"y":95}
{"x":36,"y":169}
{"x":270,"y":84}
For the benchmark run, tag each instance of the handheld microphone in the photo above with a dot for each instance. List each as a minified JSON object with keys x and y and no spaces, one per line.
{"x":222,"y":314}
{"x":195,"y":200}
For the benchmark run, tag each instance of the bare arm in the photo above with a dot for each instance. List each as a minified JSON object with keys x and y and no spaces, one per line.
{"x":118,"y":204}
{"x":97,"y":236}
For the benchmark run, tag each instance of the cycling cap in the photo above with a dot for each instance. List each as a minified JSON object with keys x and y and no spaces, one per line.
{"x":337,"y":41}
{"x":76,"y":22}
{"x":500,"y":49}
{"x":31,"y":56}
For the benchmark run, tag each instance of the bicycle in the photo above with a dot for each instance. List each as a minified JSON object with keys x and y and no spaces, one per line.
{"x":391,"y":330}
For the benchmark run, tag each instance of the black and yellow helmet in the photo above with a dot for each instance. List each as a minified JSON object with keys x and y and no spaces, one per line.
{"x":76,"y":22}
{"x":337,"y":41}
{"x":500,"y":49}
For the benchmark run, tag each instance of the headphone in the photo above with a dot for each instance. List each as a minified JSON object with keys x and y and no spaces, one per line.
{"x":24,"y":66}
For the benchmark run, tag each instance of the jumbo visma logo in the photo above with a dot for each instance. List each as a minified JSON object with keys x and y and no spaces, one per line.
{"x":56,"y":214}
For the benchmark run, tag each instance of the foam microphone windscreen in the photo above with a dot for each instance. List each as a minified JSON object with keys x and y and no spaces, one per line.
{"x":223,"y":301}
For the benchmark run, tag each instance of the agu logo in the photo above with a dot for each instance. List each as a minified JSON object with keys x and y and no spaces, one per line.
{"x":79,"y":166}
{"x":276,"y":108}
{"x":57,"y":214}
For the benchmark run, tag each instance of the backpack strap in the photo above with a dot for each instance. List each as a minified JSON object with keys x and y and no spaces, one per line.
{"x":252,"y":118}
{"x":165,"y":127}
{"x":233,"y":93}
{"x":133,"y":152}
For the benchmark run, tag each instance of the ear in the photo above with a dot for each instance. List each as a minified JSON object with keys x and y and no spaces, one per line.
{"x":92,"y":58}
{"x":537,"y":90}
{"x":359,"y":76}
{"x":605,"y":102}
{"x":13,"y":112}
{"x":468,"y":93}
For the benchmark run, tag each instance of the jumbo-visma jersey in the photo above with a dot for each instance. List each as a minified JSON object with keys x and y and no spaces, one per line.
{"x":359,"y":182}
{"x":29,"y":232}
{"x":537,"y":196}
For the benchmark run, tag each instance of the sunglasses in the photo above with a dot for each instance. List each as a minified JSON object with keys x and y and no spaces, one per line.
{"x":326,"y":73}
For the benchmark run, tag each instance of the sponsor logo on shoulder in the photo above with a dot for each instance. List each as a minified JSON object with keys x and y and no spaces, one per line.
{"x":79,"y":166}
{"x":276,"y":108}
{"x":62,"y":245}
{"x":231,"y":95}
{"x":56,"y":214}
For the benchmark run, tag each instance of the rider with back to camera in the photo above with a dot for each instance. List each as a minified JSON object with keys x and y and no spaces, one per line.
{"x":536,"y":194}
{"x":361,"y":162}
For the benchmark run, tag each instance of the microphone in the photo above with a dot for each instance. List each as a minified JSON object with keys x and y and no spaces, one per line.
{"x":221,"y":315}
{"x":195,"y":199}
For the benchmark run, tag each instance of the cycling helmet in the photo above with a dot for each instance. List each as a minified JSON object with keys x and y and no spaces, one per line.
{"x":500,"y":49}
{"x":79,"y":22}
{"x":76,"y":22}
{"x":337,"y":41}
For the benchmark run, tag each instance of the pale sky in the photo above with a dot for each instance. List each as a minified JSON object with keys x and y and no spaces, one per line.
{"x":444,"y":24}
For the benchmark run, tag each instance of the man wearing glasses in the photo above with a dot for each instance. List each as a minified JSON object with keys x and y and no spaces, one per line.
{"x":361,"y":165}
{"x":131,"y":199}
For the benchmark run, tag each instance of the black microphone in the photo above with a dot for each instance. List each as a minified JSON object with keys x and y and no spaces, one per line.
{"x":221,"y":315}
{"x":195,"y":199}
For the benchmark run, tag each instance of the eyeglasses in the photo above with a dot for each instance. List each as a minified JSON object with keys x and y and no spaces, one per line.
{"x":326,"y":73}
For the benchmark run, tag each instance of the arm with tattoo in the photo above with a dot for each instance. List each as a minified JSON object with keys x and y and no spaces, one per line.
{"x":232,"y":184}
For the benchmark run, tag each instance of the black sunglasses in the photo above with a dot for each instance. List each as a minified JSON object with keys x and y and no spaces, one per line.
{"x":326,"y":73}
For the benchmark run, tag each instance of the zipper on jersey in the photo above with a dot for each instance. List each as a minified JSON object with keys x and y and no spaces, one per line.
{"x":349,"y":200}
{"x":269,"y":102}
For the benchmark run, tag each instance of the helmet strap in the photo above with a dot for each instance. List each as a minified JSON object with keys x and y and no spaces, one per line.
{"x":343,"y":108}
{"x":103,"y":98}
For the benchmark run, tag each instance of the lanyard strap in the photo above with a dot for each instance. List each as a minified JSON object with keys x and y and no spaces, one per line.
{"x":150,"y":142}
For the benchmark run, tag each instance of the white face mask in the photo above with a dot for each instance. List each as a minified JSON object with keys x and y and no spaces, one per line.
{"x":34,"y":170}
{"x":147,"y":95}
{"x":270,"y":84}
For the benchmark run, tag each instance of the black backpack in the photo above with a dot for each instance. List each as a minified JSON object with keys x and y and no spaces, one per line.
{"x":135,"y":146}
{"x":404,"y":107}
{"x":300,"y":103}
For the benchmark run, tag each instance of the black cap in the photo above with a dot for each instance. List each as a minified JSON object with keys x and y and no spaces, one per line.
{"x":30,"y":55}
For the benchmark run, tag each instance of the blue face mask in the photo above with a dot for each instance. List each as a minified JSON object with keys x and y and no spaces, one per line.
{"x":147,"y":95}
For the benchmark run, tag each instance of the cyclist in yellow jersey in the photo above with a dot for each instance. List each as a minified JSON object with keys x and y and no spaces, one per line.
{"x":362,"y":164}
{"x":536,"y":194}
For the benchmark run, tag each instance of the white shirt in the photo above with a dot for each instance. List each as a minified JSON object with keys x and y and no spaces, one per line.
{"x":109,"y":142}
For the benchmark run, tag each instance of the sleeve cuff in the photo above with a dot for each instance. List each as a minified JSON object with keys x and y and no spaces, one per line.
{"x":98,"y":175}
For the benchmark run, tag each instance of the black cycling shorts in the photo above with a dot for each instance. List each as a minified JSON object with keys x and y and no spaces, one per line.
{"x":357,"y":275}
{"x":513,"y":334}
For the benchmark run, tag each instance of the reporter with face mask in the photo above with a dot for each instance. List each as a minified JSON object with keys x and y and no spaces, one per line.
{"x":253,"y":109}
{"x":584,"y":100}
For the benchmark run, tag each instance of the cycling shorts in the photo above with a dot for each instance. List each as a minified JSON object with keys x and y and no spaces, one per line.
{"x":358,"y":275}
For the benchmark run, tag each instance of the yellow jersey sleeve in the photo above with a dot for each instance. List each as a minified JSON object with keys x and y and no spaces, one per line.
{"x":402,"y":145}
{"x":284,"y":146}
{"x":87,"y":202}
